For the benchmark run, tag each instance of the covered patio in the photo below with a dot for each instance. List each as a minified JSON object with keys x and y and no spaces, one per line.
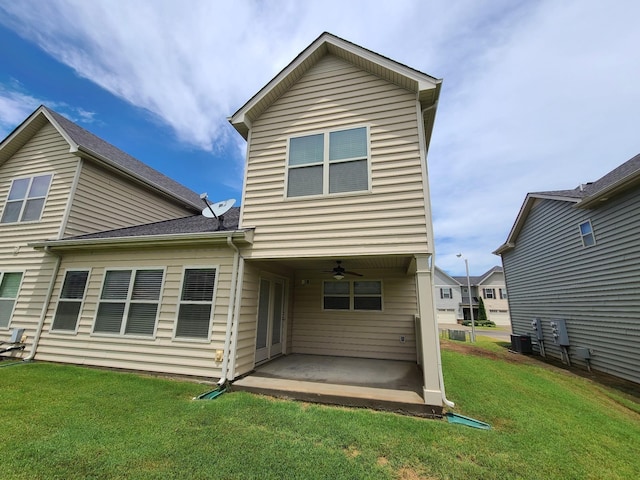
{"x":390,"y":385}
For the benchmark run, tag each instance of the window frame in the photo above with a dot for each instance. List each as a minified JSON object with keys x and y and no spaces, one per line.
{"x":26,"y":198}
{"x":15,"y":299}
{"x":590,"y":234}
{"x":52,"y":329}
{"x":179,"y":302}
{"x":489,"y":293}
{"x":128,"y":302}
{"x":326,"y":163}
{"x":449,"y":291}
{"x":352,"y":295}
{"x":503,"y":293}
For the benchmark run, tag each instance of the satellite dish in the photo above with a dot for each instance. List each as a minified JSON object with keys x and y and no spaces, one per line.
{"x":215,"y":210}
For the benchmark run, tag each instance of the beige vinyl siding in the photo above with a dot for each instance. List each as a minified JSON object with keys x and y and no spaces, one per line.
{"x":388,"y":220}
{"x":353,"y":333}
{"x":104,"y":201}
{"x":45,"y":152}
{"x":162,"y":353}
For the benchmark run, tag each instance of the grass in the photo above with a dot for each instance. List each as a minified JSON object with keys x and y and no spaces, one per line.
{"x":72,"y":422}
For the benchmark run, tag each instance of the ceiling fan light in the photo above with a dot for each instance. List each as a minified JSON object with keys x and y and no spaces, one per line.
{"x":338,"y":276}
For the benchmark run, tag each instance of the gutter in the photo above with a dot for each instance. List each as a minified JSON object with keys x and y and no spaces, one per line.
{"x":243,"y":235}
{"x":45,"y":305}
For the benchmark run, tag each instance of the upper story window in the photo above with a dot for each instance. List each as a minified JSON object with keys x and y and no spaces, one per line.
{"x":445,"y":293}
{"x":328,"y":163}
{"x":503,"y":293}
{"x":586,"y":232}
{"x":489,"y":292}
{"x":26,"y":199}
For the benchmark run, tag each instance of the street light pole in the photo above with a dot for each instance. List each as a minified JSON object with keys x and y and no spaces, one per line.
{"x":473,"y":322}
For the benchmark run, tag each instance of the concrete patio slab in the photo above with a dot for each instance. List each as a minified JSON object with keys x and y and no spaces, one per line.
{"x":355,"y":382}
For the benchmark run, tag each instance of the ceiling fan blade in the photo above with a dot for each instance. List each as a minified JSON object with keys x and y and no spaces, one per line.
{"x":353,"y":273}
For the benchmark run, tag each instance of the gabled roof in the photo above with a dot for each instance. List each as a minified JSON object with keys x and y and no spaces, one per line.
{"x":445,"y":274}
{"x":476,"y":280}
{"x":426,"y":87}
{"x":87,"y":145}
{"x":590,"y":195}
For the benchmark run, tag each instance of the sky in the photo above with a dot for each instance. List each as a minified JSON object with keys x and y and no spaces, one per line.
{"x":536,"y":95}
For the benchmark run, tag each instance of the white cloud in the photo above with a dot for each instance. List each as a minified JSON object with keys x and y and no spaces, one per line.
{"x":537,"y":95}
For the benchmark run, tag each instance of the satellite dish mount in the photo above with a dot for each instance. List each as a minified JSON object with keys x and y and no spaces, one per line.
{"x":216,"y":210}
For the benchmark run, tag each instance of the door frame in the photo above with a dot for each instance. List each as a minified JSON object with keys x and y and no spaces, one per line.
{"x":273,"y":280}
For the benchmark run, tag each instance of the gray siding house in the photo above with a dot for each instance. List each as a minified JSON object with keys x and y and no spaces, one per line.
{"x":572,"y":261}
{"x":448,"y":295}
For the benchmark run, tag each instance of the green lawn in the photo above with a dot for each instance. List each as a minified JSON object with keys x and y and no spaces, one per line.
{"x":71,"y":422}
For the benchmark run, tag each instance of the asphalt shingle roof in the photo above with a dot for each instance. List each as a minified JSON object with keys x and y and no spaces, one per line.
{"x":103,"y":149}
{"x":185,"y":225}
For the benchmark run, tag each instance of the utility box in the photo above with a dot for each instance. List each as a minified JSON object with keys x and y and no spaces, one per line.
{"x":521,"y":344}
{"x":536,"y":325}
{"x":459,"y":335}
{"x":559,"y":332}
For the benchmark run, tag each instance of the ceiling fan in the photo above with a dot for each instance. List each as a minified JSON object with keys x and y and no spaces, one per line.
{"x":339,"y":272}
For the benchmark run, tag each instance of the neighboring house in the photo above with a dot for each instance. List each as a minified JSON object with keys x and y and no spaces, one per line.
{"x":107,"y":262}
{"x":490,"y":286}
{"x":448,"y":295}
{"x":573,"y":258}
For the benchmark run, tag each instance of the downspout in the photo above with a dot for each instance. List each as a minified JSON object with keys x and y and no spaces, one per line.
{"x":232,"y":298}
{"x":236,"y":317}
{"x":45,"y":306}
{"x":445,"y":400}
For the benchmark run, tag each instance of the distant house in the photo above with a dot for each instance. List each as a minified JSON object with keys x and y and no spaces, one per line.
{"x":572,"y":261}
{"x":448,"y":295}
{"x":104,"y":261}
{"x":453,"y":301}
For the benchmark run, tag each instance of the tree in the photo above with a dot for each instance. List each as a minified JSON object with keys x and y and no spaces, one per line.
{"x":482,"y":312}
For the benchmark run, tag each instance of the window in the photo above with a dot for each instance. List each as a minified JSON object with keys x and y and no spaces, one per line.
{"x":489,"y":292}
{"x":503,"y":293}
{"x":586,"y":232}
{"x":129,"y":302}
{"x":9,"y":287}
{"x":327,"y":163}
{"x":446,"y":293}
{"x":70,"y":301}
{"x":196,"y":303}
{"x":356,"y":295}
{"x":26,"y":199}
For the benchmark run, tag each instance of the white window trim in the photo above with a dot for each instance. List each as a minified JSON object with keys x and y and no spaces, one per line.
{"x":213,"y":304}
{"x":127,"y":303}
{"x":449,"y":292}
{"x":24,"y":201}
{"x":84,"y":297}
{"x":352,"y":295}
{"x":325,"y":164}
{"x":2,"y":273}
{"x":582,"y":235}
{"x":492,"y":290}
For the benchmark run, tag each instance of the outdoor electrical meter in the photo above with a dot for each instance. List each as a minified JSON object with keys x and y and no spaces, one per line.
{"x":536,"y":325}
{"x":559,"y":332}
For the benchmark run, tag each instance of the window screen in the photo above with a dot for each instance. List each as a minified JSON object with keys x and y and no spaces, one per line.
{"x":196,"y":303}
{"x":133,"y":295}
{"x":25,"y":201}
{"x":70,"y":301}
{"x":346,"y":159}
{"x":9,"y":287}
